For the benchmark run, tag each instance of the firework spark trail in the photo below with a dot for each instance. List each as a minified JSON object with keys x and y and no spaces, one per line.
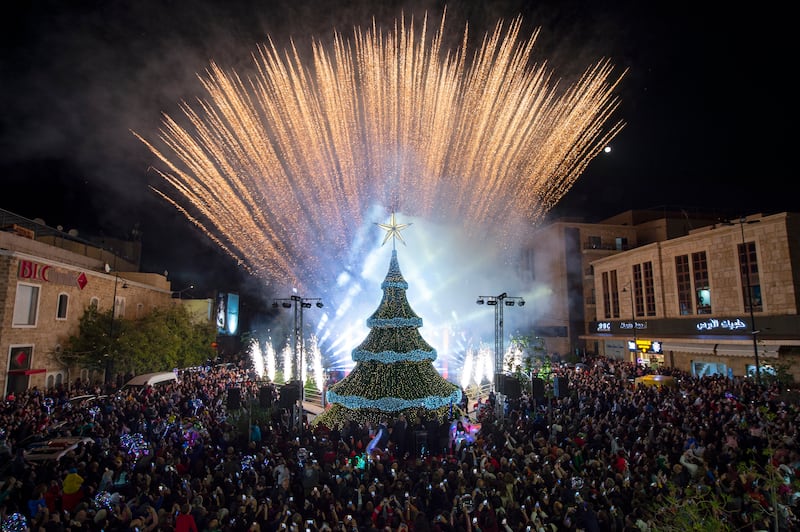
{"x":281,"y":169}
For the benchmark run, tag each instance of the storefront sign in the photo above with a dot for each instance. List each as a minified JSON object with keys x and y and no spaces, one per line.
{"x":33,"y":271}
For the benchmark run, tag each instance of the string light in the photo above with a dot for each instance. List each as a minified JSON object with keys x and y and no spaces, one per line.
{"x":394,"y":366}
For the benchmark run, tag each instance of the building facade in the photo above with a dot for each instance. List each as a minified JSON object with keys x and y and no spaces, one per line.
{"x":47,"y":280}
{"x":716,"y":301}
{"x":559,"y":262}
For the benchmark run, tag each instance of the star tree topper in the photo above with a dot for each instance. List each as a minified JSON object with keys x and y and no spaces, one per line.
{"x":393,"y":231}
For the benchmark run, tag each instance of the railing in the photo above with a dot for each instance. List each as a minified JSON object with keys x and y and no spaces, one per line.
{"x":315,"y":397}
{"x":607,"y":246}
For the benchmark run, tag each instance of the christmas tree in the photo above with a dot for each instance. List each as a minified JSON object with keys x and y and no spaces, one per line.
{"x":394,"y":370}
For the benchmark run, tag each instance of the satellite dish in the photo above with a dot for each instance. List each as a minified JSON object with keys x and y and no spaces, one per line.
{"x":72,"y":232}
{"x":107,"y":268}
{"x":60,"y":227}
{"x":39,"y":221}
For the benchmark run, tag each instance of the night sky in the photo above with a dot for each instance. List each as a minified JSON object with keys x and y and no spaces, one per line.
{"x":79,"y":77}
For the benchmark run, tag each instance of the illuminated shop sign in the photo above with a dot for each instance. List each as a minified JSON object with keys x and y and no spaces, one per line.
{"x":608,"y":326}
{"x":726,"y":324}
{"x":645,"y":346}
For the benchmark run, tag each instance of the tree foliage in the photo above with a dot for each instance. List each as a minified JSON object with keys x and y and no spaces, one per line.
{"x":164,"y":339}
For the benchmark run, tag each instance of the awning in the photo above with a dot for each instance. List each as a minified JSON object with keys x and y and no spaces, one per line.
{"x":746,"y":350}
{"x":26,"y":371}
{"x":734,"y":350}
{"x":685,"y":347}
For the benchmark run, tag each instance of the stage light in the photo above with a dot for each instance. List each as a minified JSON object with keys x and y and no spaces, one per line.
{"x":299,"y":304}
{"x":509,"y":301}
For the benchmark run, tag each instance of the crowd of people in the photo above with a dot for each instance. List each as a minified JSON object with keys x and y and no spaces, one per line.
{"x":607,"y":455}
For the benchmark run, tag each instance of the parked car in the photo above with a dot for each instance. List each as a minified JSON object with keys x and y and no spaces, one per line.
{"x":54,"y":448}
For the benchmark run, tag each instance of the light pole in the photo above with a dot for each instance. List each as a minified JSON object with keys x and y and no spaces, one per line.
{"x":746,"y":265}
{"x":635,"y":347}
{"x":498,"y":302}
{"x":299,"y":303}
{"x":178,"y":294}
{"x":109,"y":359}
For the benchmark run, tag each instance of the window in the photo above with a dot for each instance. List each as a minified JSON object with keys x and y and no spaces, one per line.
{"x":610,"y":295}
{"x":614,"y":294}
{"x":649,"y":289}
{"x":26,"y":305}
{"x":638,"y":293}
{"x":527,"y":270}
{"x":595,"y":242}
{"x":139,"y":310}
{"x":94,"y":302}
{"x":748,"y":270}
{"x":606,"y":296}
{"x":702,"y":289}
{"x":683,"y":277}
{"x":61,"y":311}
{"x":119,"y":307}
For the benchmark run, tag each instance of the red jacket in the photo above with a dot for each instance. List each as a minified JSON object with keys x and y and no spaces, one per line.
{"x":185,"y":523}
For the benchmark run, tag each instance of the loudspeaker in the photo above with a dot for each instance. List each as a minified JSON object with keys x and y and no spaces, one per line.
{"x":500,"y":383}
{"x":513,"y":389}
{"x":265,"y":397}
{"x":537,"y":389}
{"x":560,"y":387}
{"x":290,"y":393}
{"x":234,"y":398}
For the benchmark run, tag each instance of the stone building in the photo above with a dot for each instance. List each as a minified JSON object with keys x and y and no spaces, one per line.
{"x":714,"y":301}
{"x":47,"y":279}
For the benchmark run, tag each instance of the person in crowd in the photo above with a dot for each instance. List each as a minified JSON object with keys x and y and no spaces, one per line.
{"x":604,"y":457}
{"x":184,"y":522}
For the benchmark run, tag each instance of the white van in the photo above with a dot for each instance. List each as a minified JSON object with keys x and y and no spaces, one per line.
{"x":140,"y":382}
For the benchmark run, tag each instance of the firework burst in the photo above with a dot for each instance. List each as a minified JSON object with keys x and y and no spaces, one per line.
{"x":283,"y":169}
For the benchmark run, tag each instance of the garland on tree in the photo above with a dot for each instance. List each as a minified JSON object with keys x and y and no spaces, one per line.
{"x":394,"y":370}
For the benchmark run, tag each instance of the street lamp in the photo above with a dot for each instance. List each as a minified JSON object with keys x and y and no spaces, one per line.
{"x":179,"y":293}
{"x":498,"y":302}
{"x":629,"y":289}
{"x":746,"y":264}
{"x":109,"y":359}
{"x":299,"y":303}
